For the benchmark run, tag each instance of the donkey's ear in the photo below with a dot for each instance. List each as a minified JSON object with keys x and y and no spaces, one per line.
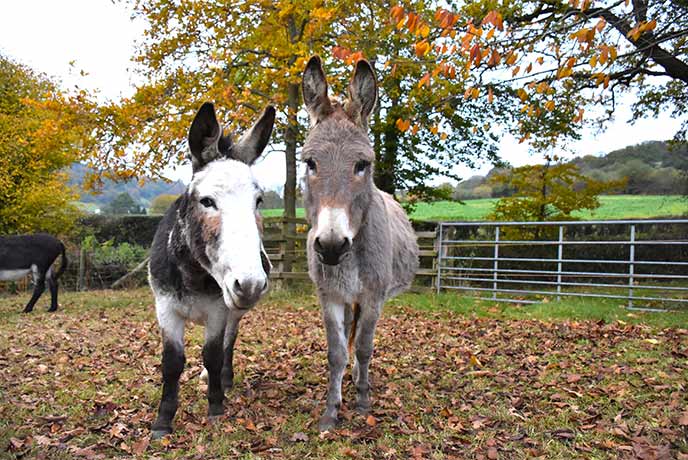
{"x":314,"y":85}
{"x":362,"y":93}
{"x":204,"y":135}
{"x":253,"y":142}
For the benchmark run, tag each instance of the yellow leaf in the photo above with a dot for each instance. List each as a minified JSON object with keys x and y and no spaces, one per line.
{"x":522,"y":94}
{"x":475,"y":362}
{"x":443,"y":136}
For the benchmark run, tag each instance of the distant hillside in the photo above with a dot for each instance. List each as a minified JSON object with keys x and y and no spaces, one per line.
{"x":651,"y":169}
{"x":142,"y":195}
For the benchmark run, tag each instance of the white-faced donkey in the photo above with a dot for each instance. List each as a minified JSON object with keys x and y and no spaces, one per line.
{"x":361,"y":247}
{"x":208,"y":264}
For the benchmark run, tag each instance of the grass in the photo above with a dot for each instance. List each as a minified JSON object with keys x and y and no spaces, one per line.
{"x":452,"y":378}
{"x":613,"y":207}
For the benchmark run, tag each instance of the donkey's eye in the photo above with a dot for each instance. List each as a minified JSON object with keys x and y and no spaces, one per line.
{"x":360,"y":167}
{"x":312,"y":168}
{"x":208,"y":202}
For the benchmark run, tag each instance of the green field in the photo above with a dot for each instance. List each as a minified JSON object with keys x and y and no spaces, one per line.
{"x":613,"y":207}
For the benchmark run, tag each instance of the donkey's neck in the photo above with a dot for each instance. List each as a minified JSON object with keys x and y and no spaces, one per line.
{"x":194,"y":278}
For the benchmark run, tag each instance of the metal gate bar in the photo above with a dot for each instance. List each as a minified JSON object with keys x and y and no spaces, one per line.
{"x":507,"y":273}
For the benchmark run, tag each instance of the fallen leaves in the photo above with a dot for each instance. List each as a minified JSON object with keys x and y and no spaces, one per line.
{"x":454,"y":387}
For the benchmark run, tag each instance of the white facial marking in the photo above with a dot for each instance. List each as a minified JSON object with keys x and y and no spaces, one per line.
{"x":232,"y":187}
{"x":334,"y":220}
{"x":14,"y":275}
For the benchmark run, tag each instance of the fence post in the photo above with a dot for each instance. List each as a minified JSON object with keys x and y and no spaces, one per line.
{"x":560,"y":254}
{"x":440,"y":250}
{"x":631,"y":268}
{"x":81,"y":280}
{"x":496,"y":263}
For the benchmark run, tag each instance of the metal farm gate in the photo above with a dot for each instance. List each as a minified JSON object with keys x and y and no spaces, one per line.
{"x":642,"y":262}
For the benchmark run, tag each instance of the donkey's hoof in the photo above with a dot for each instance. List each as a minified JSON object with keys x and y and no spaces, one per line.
{"x":52,"y":310}
{"x":362,"y":408}
{"x":216,"y":410}
{"x":158,"y":433}
{"x":327,"y":423}
{"x":214,"y":419}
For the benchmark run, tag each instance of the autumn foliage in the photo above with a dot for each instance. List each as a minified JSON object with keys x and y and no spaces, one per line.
{"x":551,"y":191}
{"x":561,"y":62}
{"x":42,"y":131}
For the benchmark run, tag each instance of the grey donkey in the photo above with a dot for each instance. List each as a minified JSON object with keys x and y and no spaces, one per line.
{"x":361,"y":248}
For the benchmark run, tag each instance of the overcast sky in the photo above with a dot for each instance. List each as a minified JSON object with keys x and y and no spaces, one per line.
{"x":99,"y":37}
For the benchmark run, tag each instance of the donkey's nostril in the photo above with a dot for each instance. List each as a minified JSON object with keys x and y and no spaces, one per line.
{"x":346,"y":244}
{"x":317,"y":245}
{"x":237,"y":287}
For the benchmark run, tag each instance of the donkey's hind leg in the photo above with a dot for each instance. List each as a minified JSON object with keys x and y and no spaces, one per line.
{"x":52,"y":285}
{"x":39,"y":287}
{"x":365,"y":332}
{"x":213,"y":357}
{"x":172,"y":327}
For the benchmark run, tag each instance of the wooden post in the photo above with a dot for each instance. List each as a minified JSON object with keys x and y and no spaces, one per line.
{"x":81,"y":280}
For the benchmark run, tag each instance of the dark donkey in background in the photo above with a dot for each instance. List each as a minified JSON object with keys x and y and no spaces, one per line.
{"x":35,"y":254}
{"x":361,"y":247}
{"x":207,"y":262}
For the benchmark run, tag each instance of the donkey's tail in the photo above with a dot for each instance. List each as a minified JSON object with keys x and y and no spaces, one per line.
{"x":352,"y":333}
{"x":63,"y":265}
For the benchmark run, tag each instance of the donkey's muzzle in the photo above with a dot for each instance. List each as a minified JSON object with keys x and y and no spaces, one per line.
{"x":330,"y":250}
{"x":247,"y":291}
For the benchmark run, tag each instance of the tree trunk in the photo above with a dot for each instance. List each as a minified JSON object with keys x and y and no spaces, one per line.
{"x":290,"y":141}
{"x":385,"y":173}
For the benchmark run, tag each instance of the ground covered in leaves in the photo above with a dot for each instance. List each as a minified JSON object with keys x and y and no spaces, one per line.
{"x":84,"y":383}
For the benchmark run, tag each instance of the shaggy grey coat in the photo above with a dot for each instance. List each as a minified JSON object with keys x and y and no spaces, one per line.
{"x":361,"y":247}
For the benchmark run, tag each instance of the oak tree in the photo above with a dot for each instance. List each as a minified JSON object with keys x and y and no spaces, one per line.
{"x":563,"y":61}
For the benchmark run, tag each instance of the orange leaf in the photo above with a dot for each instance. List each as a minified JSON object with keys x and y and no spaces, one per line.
{"x":422,"y":48}
{"x":403,"y":125}
{"x":425,"y":81}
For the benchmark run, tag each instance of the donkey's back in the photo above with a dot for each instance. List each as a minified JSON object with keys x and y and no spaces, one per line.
{"x":404,"y":246}
{"x":19,"y":252}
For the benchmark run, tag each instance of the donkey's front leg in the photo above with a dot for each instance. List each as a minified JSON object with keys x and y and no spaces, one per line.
{"x":363,"y":344}
{"x":337,"y":358}
{"x":231,"y":332}
{"x":172,"y":327}
{"x":213,"y":358}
